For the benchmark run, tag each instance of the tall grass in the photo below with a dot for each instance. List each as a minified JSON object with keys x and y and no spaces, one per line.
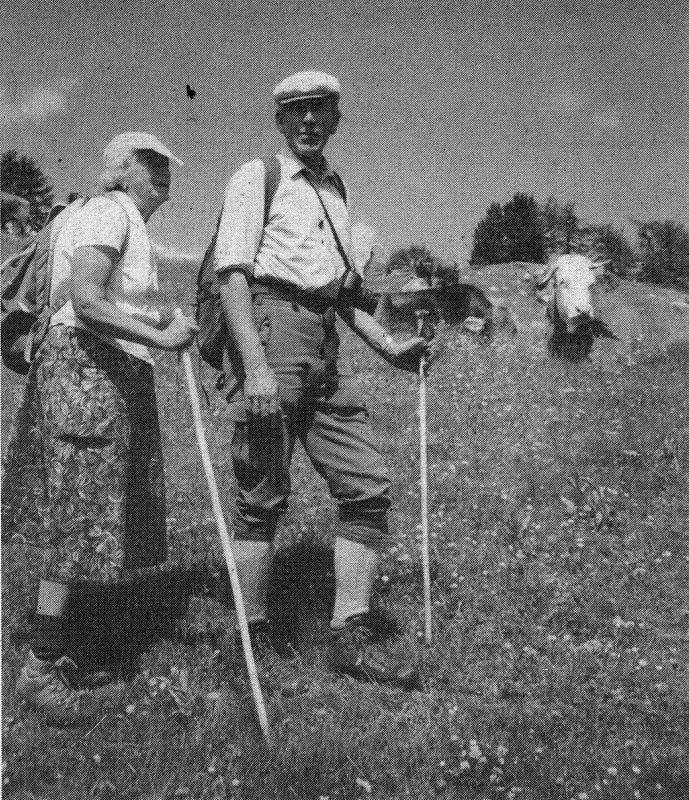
{"x":559,"y":512}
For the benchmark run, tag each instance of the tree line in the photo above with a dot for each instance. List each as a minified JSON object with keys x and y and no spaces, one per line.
{"x":520,"y":230}
{"x":524,"y":230}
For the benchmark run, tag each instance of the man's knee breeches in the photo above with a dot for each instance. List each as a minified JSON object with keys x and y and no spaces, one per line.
{"x":339,"y":443}
{"x":322,"y":408}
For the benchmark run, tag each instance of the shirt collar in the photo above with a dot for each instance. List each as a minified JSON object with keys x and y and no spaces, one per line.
{"x":291,"y":166}
{"x":129,"y":206}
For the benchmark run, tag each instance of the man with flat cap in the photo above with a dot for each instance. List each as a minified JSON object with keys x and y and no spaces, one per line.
{"x":283,"y":267}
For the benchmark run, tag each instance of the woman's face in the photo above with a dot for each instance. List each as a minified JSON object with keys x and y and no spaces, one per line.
{"x":149,"y":181}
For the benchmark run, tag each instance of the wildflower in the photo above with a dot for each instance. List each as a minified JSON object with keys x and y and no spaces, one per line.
{"x":612,"y":771}
{"x":474,"y":749}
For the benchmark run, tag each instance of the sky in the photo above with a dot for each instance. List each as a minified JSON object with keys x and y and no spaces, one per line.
{"x":447,"y":106}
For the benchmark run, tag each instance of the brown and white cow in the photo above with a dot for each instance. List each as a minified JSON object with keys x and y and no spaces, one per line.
{"x":566,"y":287}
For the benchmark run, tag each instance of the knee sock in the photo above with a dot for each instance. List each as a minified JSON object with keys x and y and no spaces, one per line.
{"x":254,"y":561}
{"x":50,"y":626}
{"x":355,"y":569}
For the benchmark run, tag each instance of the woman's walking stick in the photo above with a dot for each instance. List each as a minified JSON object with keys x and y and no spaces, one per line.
{"x":227,"y":549}
{"x":423,"y":462}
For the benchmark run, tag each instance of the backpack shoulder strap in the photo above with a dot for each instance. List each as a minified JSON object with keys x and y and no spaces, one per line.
{"x":273,"y":171}
{"x":44,"y":282}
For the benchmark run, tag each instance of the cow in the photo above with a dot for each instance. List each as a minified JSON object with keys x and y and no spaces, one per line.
{"x":451,"y":304}
{"x":565,"y":287}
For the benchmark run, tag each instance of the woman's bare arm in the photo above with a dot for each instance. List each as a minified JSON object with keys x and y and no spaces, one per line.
{"x":91,"y":270}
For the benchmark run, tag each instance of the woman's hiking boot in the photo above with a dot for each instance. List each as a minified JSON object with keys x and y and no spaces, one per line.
{"x":78,"y":678}
{"x":45,"y":687}
{"x":353,"y":652}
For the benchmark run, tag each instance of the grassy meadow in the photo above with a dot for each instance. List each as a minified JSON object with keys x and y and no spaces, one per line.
{"x":558,"y":516}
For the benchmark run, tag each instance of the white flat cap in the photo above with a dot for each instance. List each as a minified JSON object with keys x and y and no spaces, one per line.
{"x":304,"y":85}
{"x":127,"y":143}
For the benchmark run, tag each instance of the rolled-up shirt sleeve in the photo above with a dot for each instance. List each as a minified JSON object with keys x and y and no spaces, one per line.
{"x":241,"y":221}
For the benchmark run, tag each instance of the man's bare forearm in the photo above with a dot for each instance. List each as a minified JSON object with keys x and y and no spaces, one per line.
{"x":236,"y":302}
{"x":363,"y":324}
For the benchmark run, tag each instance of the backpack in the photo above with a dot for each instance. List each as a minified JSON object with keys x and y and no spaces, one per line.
{"x":212,"y":336}
{"x":26,"y":310}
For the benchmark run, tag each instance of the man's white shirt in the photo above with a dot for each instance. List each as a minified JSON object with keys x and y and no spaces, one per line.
{"x":297,"y":246}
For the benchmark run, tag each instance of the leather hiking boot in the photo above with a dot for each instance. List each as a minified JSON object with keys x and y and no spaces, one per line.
{"x":45,"y":687}
{"x":352,"y":652}
{"x":80,"y":679}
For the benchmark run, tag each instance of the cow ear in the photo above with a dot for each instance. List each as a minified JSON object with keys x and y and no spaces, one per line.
{"x":542,"y":277}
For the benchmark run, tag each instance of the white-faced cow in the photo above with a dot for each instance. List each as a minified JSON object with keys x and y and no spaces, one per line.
{"x":566,"y":286}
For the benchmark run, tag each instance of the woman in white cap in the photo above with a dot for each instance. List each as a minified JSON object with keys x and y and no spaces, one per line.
{"x":84,"y":472}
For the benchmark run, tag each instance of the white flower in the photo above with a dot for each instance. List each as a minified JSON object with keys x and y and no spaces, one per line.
{"x":474,"y":749}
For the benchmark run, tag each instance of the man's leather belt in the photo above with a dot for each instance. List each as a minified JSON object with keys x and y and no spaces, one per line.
{"x":292,"y":294}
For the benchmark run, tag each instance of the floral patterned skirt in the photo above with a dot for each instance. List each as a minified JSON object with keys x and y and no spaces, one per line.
{"x":83,"y":477}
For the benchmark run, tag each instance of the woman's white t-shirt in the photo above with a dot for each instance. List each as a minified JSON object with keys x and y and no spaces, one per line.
{"x":109,"y":221}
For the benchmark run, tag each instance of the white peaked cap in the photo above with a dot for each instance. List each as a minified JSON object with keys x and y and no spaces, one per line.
{"x":304,"y":85}
{"x":125,"y":144}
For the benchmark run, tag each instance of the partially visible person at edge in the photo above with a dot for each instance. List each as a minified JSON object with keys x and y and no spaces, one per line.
{"x":84,"y":471}
{"x":279,"y":289}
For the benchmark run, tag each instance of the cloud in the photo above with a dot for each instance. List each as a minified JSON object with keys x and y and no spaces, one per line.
{"x":566,"y":101}
{"x":37,"y":103}
{"x":574,"y":105}
{"x":609,"y":120}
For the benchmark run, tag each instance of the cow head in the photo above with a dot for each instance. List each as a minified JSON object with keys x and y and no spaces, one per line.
{"x":566,"y":286}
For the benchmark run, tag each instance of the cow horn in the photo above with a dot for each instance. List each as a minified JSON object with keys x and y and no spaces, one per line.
{"x":545,"y":274}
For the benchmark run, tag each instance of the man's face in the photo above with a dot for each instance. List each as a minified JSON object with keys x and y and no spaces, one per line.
{"x":307,"y":125}
{"x":150,"y":178}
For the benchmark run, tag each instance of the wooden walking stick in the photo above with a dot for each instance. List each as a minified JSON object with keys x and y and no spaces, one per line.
{"x":423,"y":463}
{"x":227,"y":549}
